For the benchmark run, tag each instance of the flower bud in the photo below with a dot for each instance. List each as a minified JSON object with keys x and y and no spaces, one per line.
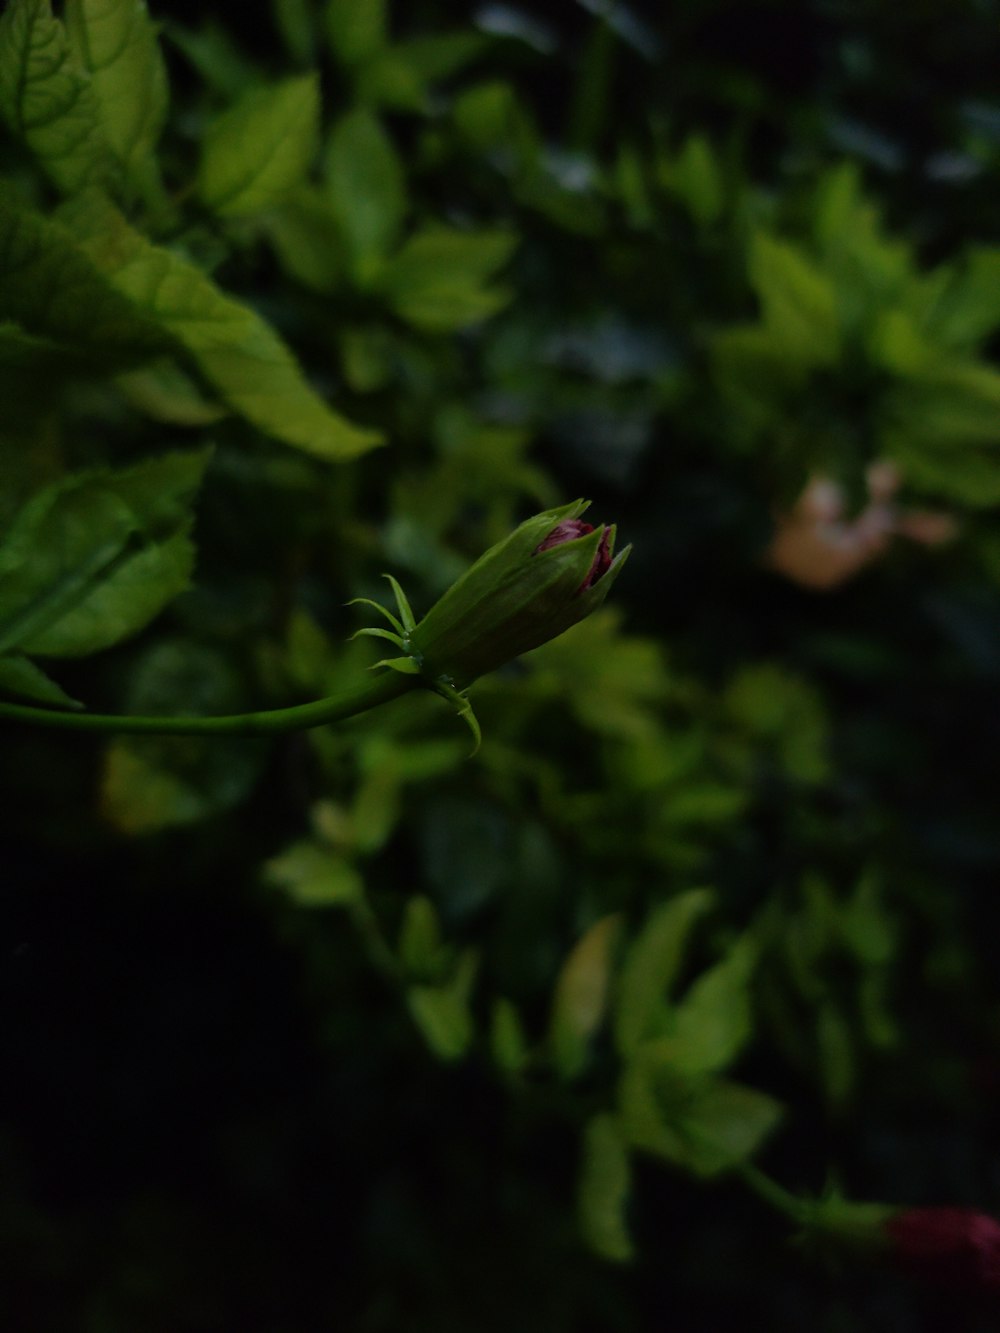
{"x":550,"y":573}
{"x":955,"y":1247}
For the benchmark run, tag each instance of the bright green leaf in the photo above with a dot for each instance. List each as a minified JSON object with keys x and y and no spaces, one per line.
{"x":48,"y":100}
{"x":259,"y":150}
{"x":116,"y":43}
{"x":508,"y":1042}
{"x":242,"y":357}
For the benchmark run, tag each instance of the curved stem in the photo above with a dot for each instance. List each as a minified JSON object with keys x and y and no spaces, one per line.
{"x":771,"y":1192}
{"x":300,"y":717}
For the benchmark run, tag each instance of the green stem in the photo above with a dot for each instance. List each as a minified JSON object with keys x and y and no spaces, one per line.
{"x":335,"y":708}
{"x":771,"y":1192}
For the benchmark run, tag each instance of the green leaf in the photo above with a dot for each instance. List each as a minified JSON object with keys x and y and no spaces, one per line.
{"x":398,"y":76}
{"x":115,"y":42}
{"x":706,"y":1125}
{"x":696,"y":178}
{"x":53,"y":290}
{"x":508,"y":1042}
{"x":420,"y":947}
{"x":603,"y":1192}
{"x":443,"y":1013}
{"x":150,"y":783}
{"x":798,"y":302}
{"x":580,"y":1000}
{"x":314,"y":876}
{"x":241,"y":357}
{"x":356,"y":28}
{"x":437,"y":280}
{"x":711,"y":1024}
{"x":259,"y":150}
{"x":22,"y":678}
{"x":163,"y":392}
{"x":651,"y":966}
{"x":366,"y":187}
{"x":47,"y":100}
{"x":95,"y":557}
{"x":306,"y":237}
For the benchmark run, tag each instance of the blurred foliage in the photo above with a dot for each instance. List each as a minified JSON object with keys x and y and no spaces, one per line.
{"x":347,"y":1030}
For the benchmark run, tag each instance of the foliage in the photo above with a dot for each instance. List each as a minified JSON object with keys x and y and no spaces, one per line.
{"x":350,"y":1030}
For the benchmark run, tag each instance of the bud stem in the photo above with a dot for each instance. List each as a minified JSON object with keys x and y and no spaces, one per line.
{"x":300,"y":717}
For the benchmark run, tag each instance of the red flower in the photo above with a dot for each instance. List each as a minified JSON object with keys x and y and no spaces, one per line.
{"x":567,"y":531}
{"x":954,"y":1246}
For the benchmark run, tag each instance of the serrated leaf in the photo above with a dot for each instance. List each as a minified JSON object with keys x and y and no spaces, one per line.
{"x":116,"y":43}
{"x":604,"y":1188}
{"x":46,"y":98}
{"x":437,"y":281}
{"x":581,"y":995}
{"x":259,"y":150}
{"x":54,"y":292}
{"x":651,"y":966}
{"x":366,"y":187}
{"x":241,"y":357}
{"x":91,"y":559}
{"x":24,"y":679}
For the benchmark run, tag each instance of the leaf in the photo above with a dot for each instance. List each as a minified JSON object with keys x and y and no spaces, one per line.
{"x":696,"y":178}
{"x":150,"y":783}
{"x":22,"y":678}
{"x":91,"y":559}
{"x":398,"y":76}
{"x":314,"y":876}
{"x":241,"y":357}
{"x":603,"y":1191}
{"x":798,"y":302}
{"x":53,"y":290}
{"x":651,"y":965}
{"x":116,"y":43}
{"x":712,"y":1022}
{"x":366,"y":188}
{"x":259,"y":150}
{"x":436,"y":281}
{"x":704,"y":1124}
{"x":508,"y":1042}
{"x":47,"y":100}
{"x":356,"y":29}
{"x":442,"y":1012}
{"x":581,"y":995}
{"x":420,"y":946}
{"x":305,"y":235}
{"x":165,"y":393}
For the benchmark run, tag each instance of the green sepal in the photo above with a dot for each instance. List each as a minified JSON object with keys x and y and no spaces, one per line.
{"x":463,"y":708}
{"x":406,"y":665}
{"x":374,"y":632}
{"x":367,"y":601}
{"x":405,"y":613}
